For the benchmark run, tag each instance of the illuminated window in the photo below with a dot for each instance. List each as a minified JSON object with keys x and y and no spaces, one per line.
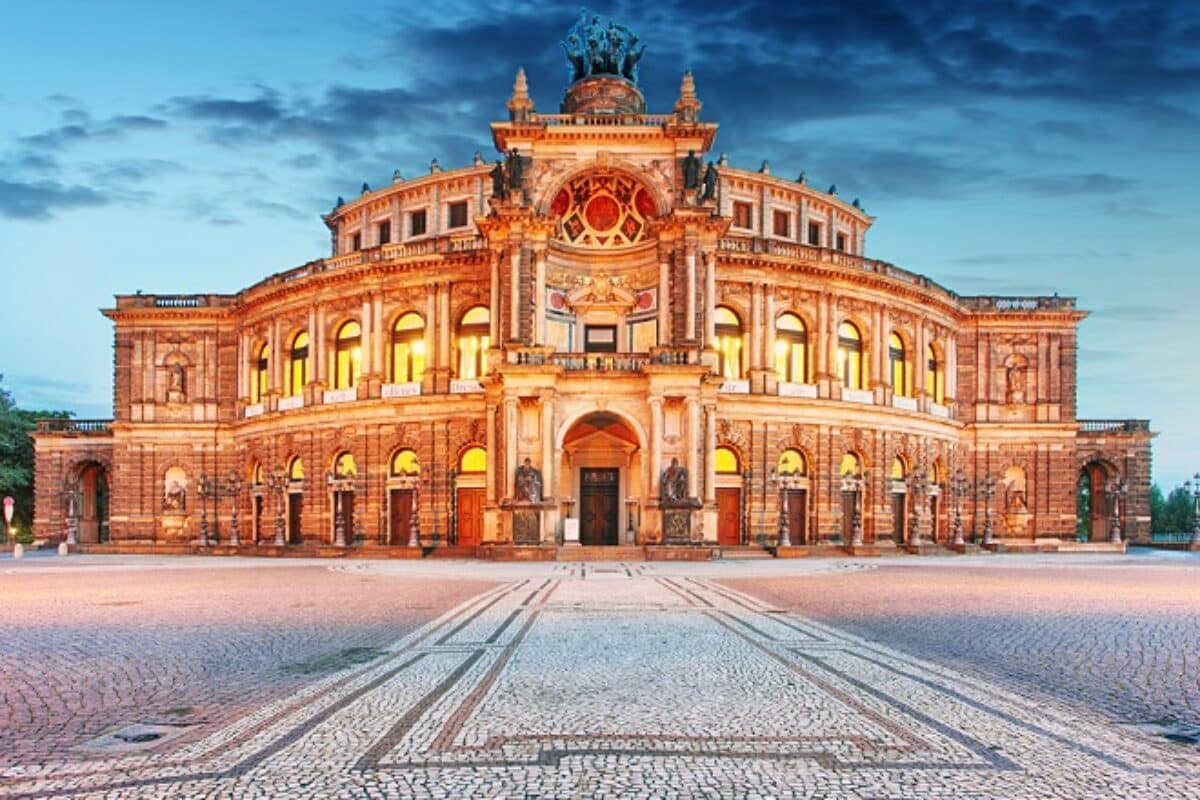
{"x":405,"y":463}
{"x":257,"y":477}
{"x":408,"y":348}
{"x":743,"y":215}
{"x":935,"y":378}
{"x":729,"y":343}
{"x":298,"y":368}
{"x":260,"y":381}
{"x":347,"y":356}
{"x":473,"y":343}
{"x":296,"y":469}
{"x":898,"y":469}
{"x":474,"y":459}
{"x":897,"y":366}
{"x":850,"y":465}
{"x":726,"y":461}
{"x":792,"y":463}
{"x":850,"y":356}
{"x":344,"y":465}
{"x":782,"y":223}
{"x":791,"y":349}
{"x":458,"y":214}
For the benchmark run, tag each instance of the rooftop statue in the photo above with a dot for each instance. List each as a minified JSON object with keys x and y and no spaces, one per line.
{"x":596,"y":49}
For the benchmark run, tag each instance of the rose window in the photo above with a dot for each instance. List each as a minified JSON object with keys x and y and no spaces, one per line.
{"x":602,"y":211}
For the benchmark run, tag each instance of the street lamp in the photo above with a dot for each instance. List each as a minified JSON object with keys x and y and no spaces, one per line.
{"x":9,"y":505}
{"x":205,"y":488}
{"x":338,"y":484}
{"x":987,"y":488}
{"x":960,"y":484}
{"x":233,"y":488}
{"x":784,"y":534}
{"x":918,"y":485}
{"x":1117,"y":488}
{"x":72,"y":498}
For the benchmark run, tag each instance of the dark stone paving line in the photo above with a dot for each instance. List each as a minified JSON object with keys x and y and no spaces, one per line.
{"x":745,"y":624}
{"x":778,"y":618}
{"x":479,"y":611}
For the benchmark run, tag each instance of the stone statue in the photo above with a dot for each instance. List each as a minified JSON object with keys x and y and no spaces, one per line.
{"x":576,"y":67}
{"x":674,"y":482}
{"x":176,"y":497}
{"x":633,"y":54}
{"x":691,"y":171}
{"x":595,"y":49}
{"x":176,"y":388}
{"x":710,"y":182}
{"x":515,"y":170}
{"x":1015,"y":383}
{"x":529,"y":483}
{"x":497,"y":174}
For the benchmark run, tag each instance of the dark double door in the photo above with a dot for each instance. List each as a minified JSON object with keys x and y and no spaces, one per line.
{"x":599,"y":505}
{"x":401,"y":511}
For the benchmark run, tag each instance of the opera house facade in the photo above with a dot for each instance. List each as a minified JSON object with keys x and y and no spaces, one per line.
{"x":607,"y":337}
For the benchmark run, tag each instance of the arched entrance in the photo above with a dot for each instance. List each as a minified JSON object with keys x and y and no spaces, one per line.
{"x":93,"y":503}
{"x":602,"y":467}
{"x":1091,"y":502}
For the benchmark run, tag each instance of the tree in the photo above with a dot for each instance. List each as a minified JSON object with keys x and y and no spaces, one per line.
{"x":16,"y":454}
{"x":1172,"y":514}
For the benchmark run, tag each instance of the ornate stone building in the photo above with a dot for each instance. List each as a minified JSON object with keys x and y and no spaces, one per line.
{"x":604,"y":337}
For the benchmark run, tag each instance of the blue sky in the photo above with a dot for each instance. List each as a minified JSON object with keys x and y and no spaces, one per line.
{"x":1004,"y":147}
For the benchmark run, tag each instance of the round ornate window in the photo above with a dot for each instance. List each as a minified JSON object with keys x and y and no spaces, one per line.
{"x":609,"y":210}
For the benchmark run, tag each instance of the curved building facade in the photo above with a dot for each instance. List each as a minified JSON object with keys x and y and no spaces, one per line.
{"x":607,"y":337}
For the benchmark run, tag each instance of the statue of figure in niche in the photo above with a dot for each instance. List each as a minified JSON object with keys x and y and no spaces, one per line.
{"x":674,"y":482}
{"x":516,"y":170}
{"x":176,"y":497}
{"x":710,"y":182}
{"x":1015,"y":382}
{"x":497,"y":174}
{"x":176,"y":383}
{"x":529,"y":483}
{"x":691,"y":171}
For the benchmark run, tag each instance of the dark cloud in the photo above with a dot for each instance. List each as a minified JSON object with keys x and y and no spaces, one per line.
{"x":1092,"y":183}
{"x":79,"y":129}
{"x":42,"y":199}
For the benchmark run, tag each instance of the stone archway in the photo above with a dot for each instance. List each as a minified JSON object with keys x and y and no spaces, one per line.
{"x":1092,"y":501}
{"x":91,"y":513}
{"x":602,"y":469}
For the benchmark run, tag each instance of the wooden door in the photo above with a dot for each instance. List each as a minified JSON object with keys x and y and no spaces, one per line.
{"x":470,"y":517}
{"x":401,"y":507}
{"x":729,"y":508}
{"x":599,"y":507}
{"x":849,"y":505}
{"x":347,"y":506}
{"x":295,"y":507}
{"x":898,"y":519}
{"x":797,"y":516}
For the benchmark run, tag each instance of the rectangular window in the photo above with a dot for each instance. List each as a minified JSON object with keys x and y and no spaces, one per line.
{"x":814,"y":234}
{"x":841,"y":241}
{"x":416,"y":223}
{"x":741,"y":215}
{"x":783,"y":223}
{"x":356,"y":242}
{"x":458,"y":214}
{"x":385,"y":232}
{"x":600,"y":339}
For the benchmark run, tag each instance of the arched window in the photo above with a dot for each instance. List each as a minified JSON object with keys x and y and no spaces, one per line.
{"x":899,"y":470}
{"x":296,"y":469}
{"x":408,"y":348}
{"x":260,"y":381}
{"x":792,"y":463}
{"x":935,"y":378}
{"x":473,"y":459}
{"x":850,"y":356}
{"x":791,"y":349}
{"x":898,"y":366}
{"x":347,"y":355}
{"x":726,"y":461}
{"x":404,"y":464}
{"x":298,"y":364}
{"x":473,"y":343}
{"x":257,"y":475}
{"x":729,"y":343}
{"x":850,"y":465}
{"x":344,"y":465}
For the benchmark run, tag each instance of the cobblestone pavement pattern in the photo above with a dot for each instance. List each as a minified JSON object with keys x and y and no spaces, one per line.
{"x":549,"y":680}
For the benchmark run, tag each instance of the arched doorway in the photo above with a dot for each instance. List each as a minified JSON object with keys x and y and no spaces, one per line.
{"x":601,"y":468}
{"x":729,"y":496}
{"x":470,"y":489}
{"x":1091,"y":502}
{"x":93,"y":503}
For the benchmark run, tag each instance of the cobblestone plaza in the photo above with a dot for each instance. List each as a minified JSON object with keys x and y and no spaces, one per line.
{"x":981,"y":676}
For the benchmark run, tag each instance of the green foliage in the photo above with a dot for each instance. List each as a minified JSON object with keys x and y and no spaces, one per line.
{"x":1170,"y":514}
{"x":16,"y":457}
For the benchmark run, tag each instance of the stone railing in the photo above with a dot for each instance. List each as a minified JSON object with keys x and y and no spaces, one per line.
{"x":607,"y":120}
{"x":183,"y":301}
{"x":75,"y":427}
{"x":600,"y":362}
{"x":994,"y":303}
{"x":1114,"y":425}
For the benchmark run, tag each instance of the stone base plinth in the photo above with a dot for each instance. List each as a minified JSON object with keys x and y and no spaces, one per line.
{"x":863,"y":550}
{"x":791,"y":551}
{"x":965,"y":549}
{"x":509,"y":552}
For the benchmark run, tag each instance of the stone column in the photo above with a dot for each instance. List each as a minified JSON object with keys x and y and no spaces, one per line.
{"x":710,"y":449}
{"x":664,"y":300}
{"x":366,"y":361}
{"x":380,"y":337}
{"x":883,"y":358}
{"x":831,"y":343}
{"x":368,"y":237}
{"x":431,"y":327}
{"x":444,"y":324}
{"x":951,"y":369}
{"x":820,"y":331}
{"x":689,"y":323}
{"x":490,"y":439}
{"x":312,"y":345}
{"x":710,"y":299}
{"x":514,"y":290}
{"x":397,"y":231}
{"x":319,"y":350}
{"x":539,"y":299}
{"x":921,"y":366}
{"x":277,"y":358}
{"x":656,"y":435}
{"x":769,"y":329}
{"x":550,"y":487}
{"x":510,"y":445}
{"x":243,"y":362}
{"x":494,"y":301}
{"x":693,"y":442}
{"x":755,"y":350}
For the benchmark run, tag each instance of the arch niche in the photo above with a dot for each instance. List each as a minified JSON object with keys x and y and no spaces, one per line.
{"x":91,"y":506}
{"x":602,"y":466}
{"x":1092,"y":502}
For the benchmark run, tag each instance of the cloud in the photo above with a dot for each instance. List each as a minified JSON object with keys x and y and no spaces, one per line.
{"x":1092,"y":183}
{"x":80,"y":129}
{"x":43,"y":199}
{"x":1140,"y":312}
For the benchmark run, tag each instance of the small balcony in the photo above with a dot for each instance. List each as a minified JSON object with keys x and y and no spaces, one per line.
{"x":75,"y":427}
